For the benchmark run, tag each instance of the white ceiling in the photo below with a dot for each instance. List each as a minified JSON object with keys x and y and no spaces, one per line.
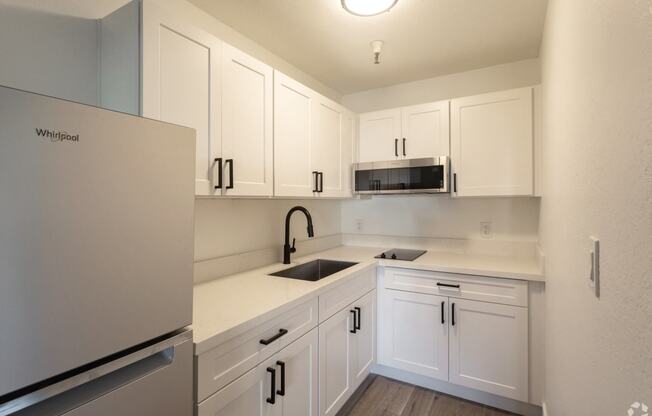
{"x":423,"y":38}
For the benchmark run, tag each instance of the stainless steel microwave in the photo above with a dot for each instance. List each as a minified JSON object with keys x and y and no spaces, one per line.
{"x":408,"y":176}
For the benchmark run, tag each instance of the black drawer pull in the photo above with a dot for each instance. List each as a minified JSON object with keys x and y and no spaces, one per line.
{"x":448,"y":285}
{"x":281,"y":391}
{"x":218,"y":160}
{"x":230,"y":163}
{"x":268,"y":341}
{"x":442,"y":312}
{"x":359,"y":313}
{"x":355,"y":320}
{"x":316,"y":177}
{"x":272,"y":399}
{"x":453,"y":314}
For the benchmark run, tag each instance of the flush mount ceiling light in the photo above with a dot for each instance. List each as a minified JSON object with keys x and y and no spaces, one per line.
{"x":368,"y":7}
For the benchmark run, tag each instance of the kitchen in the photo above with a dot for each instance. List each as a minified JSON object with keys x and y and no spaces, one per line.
{"x":365,"y":211}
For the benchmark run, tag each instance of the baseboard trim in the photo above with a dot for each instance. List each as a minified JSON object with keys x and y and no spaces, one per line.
{"x":503,"y":403}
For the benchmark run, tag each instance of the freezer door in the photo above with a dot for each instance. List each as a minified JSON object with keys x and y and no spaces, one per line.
{"x":96,"y":234}
{"x":157,"y":381}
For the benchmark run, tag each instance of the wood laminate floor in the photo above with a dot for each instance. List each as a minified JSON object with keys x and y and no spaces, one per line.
{"x":380,"y":396}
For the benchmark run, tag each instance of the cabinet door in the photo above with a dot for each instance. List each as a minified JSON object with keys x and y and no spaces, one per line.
{"x":294,"y":110}
{"x":327,"y":147}
{"x":181,"y":84}
{"x":363,"y":342}
{"x":414,"y":333}
{"x":245,"y":396}
{"x":491,"y":144}
{"x":335,"y":362}
{"x":425,"y":130}
{"x":489,"y":348}
{"x":301,"y":376}
{"x":247,"y":127}
{"x":348,"y":140}
{"x":380,"y":134}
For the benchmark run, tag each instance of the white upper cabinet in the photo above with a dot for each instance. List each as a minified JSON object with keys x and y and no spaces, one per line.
{"x":405,"y":133}
{"x":425,"y":130}
{"x":181,"y":85}
{"x":379,"y":135}
{"x":312,"y":142}
{"x":492,"y":144}
{"x":294,"y":117}
{"x":247,"y":125}
{"x":331,"y":149}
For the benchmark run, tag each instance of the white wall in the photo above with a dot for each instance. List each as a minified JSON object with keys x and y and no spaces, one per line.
{"x":479,"y":81}
{"x":226,"y":227}
{"x":597,"y":87}
{"x":513,"y":219}
{"x":49,"y":54}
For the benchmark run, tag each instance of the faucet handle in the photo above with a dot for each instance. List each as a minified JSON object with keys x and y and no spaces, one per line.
{"x":293,"y":249}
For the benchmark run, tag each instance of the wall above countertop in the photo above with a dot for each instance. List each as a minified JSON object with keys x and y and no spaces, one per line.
{"x":511,"y":219}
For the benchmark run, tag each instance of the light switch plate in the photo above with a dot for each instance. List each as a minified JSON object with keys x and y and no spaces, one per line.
{"x":594,"y":275}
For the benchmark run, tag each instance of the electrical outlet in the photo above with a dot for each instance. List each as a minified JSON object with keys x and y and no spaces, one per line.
{"x":358,"y":224}
{"x":594,"y":275}
{"x":485,"y":230}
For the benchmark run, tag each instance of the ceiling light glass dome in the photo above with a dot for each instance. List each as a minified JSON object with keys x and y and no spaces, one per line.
{"x":368,"y":7}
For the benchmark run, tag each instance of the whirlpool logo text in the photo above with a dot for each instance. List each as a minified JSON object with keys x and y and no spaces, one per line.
{"x":57,"y":136}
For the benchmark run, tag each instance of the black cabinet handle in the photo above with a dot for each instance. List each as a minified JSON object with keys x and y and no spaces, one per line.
{"x":455,"y":182}
{"x":281,"y":391}
{"x":316,"y":178}
{"x":396,"y":147}
{"x":355,"y":327}
{"x":448,"y":285}
{"x":404,"y":146}
{"x":272,"y":399}
{"x":358,"y":326}
{"x":443,"y":321}
{"x":268,"y":341}
{"x":218,"y":160}
{"x":453,"y":314}
{"x":230,"y":163}
{"x":321,"y":182}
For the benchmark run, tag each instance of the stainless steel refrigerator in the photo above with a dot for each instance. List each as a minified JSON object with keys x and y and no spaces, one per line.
{"x":96,"y":257}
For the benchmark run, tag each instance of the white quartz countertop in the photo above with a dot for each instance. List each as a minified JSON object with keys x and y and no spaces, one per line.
{"x":231,"y":305}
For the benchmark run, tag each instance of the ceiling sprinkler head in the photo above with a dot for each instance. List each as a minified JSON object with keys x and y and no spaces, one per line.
{"x":377,"y":47}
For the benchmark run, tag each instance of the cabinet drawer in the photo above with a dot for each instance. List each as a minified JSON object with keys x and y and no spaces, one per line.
{"x":487,"y":289}
{"x":229,"y":360}
{"x":341,"y":296}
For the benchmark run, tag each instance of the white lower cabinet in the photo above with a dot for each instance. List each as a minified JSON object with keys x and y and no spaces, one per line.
{"x":292,"y":364}
{"x":283,"y":385}
{"x":489,"y":348}
{"x":414,"y":333}
{"x":346,"y":352}
{"x":363,"y":343}
{"x":482,"y":345}
{"x":335,"y":362}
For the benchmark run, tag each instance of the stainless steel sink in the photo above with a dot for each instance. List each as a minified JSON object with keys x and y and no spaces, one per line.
{"x":314,"y":270}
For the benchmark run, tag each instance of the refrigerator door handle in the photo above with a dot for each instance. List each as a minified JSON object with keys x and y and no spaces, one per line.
{"x":118,"y":372}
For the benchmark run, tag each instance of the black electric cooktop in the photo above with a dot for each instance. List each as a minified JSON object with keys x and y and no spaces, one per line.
{"x":401,"y":254}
